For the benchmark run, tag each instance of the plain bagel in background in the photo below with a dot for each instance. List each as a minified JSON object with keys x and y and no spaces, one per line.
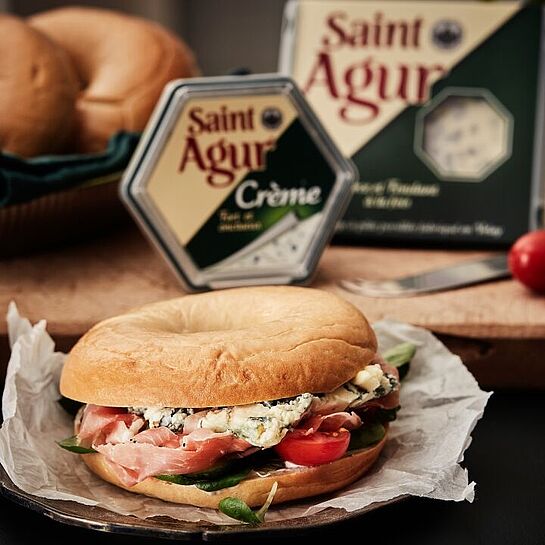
{"x":123,"y":63}
{"x":38,"y":91}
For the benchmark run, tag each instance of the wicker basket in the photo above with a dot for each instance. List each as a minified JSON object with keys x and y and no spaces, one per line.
{"x":61,"y":218}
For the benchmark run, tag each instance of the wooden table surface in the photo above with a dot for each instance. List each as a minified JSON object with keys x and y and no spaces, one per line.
{"x":75,"y":287}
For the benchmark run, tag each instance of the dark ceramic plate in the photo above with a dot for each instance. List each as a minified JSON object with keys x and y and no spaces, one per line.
{"x":96,"y":518}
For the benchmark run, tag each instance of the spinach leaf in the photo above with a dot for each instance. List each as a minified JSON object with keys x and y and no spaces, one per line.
{"x":400,"y":356}
{"x":223,"y":482}
{"x":177,"y":479}
{"x":239,"y":510}
{"x":212,"y":473}
{"x":216,"y":471}
{"x":228,"y":473}
{"x":366,"y":436}
{"x":71,"y":444}
{"x":208,"y":485}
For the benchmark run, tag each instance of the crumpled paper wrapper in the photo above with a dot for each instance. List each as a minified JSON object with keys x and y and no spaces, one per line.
{"x":441,"y":403}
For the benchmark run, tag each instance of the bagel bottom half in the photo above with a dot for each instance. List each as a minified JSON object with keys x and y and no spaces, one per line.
{"x":293,"y":484}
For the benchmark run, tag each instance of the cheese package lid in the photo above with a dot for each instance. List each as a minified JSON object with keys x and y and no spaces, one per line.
{"x":237,"y":183}
{"x":440,"y":104}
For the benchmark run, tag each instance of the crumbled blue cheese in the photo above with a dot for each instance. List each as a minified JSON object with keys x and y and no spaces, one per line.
{"x":373,"y":379}
{"x":370,"y":383}
{"x":261,"y":424}
{"x":265,"y":424}
{"x":173,"y":419}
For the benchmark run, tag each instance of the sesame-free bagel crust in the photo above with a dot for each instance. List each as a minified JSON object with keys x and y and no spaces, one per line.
{"x":221,"y":348}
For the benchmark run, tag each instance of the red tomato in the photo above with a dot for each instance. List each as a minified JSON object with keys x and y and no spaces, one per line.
{"x":527,"y":260}
{"x":317,"y":448}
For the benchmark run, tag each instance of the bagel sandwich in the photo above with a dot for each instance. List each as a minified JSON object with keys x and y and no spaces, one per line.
{"x":222,"y":394}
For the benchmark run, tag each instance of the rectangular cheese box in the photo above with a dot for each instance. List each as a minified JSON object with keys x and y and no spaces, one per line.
{"x":440,"y":106}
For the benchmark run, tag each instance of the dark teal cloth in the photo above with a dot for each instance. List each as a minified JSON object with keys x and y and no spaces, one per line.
{"x":23,"y":180}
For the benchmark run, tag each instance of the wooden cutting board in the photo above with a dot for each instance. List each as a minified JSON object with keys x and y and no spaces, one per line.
{"x":498,"y":328}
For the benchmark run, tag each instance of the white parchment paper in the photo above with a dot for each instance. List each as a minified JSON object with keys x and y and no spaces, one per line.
{"x":441,"y":403}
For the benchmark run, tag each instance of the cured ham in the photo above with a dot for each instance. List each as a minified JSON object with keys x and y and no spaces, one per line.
{"x":196,"y":439}
{"x":159,"y":437}
{"x":330,"y":422}
{"x":135,"y":461}
{"x":119,"y":431}
{"x":191,"y":423}
{"x":107,"y":424}
{"x":390,"y":401}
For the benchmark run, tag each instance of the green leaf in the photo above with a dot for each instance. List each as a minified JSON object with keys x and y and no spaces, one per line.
{"x":366,"y":436}
{"x":192,"y":478}
{"x":203,"y":480}
{"x":400,"y":356}
{"x":71,"y":444}
{"x":229,"y":472}
{"x":238,"y":510}
{"x":210,"y":474}
{"x":223,"y":482}
{"x":216,"y":471}
{"x":177,"y":479}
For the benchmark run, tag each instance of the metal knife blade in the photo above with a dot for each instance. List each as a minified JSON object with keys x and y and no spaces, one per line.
{"x":454,"y":276}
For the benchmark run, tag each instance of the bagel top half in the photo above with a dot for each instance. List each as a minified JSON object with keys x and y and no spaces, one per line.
{"x":221,"y":348}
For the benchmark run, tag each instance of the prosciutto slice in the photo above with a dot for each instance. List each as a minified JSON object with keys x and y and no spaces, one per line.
{"x":135,"y":461}
{"x":159,"y":437}
{"x":134,"y":455}
{"x":191,"y":423}
{"x":120,"y":431}
{"x":330,"y":422}
{"x":391,"y":401}
{"x":101,"y":425}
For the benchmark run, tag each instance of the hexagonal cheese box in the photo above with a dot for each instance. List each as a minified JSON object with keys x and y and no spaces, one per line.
{"x":237,"y":183}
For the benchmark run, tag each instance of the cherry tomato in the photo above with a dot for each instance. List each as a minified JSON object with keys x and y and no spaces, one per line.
{"x":527,"y":260}
{"x":314,"y":449}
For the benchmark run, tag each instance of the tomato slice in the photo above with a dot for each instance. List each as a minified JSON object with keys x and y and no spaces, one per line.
{"x":314,"y":449}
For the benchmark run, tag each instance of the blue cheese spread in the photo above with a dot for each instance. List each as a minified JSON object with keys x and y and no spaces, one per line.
{"x":266,"y":423}
{"x":173,"y":419}
{"x":370,"y":383}
{"x":261,"y":424}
